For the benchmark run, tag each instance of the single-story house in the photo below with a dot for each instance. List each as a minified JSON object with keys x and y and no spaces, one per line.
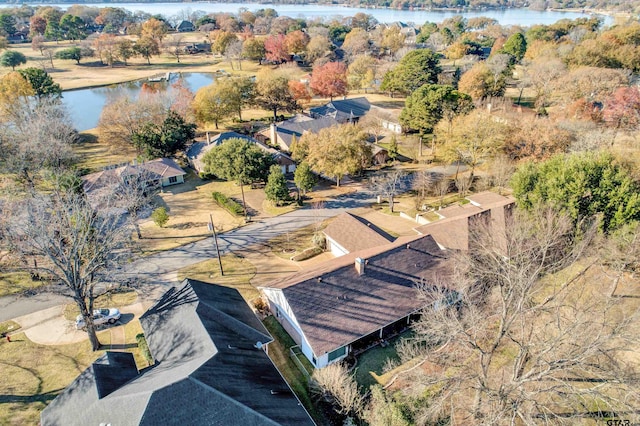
{"x":343,"y":110}
{"x":162,"y":172}
{"x":198,"y":48}
{"x":185,"y":26}
{"x":341,"y":306}
{"x":283,"y":133}
{"x":348,"y":233}
{"x":379,"y":155}
{"x":454,"y":230}
{"x":210,"y":368}
{"x":197,"y":150}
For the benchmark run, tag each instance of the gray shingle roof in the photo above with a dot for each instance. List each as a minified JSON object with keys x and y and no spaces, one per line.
{"x":335,"y":306}
{"x":290,"y":128}
{"x":208,"y":370}
{"x":343,"y":110}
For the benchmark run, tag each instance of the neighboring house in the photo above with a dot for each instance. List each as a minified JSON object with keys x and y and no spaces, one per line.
{"x":210,"y":369}
{"x":379,"y":155}
{"x":348,"y":233}
{"x":198,"y":48}
{"x":348,"y":303}
{"x":454,"y":230}
{"x":282,"y":134}
{"x":389,"y":118}
{"x":162,"y":171}
{"x":344,"y":110}
{"x":197,"y":151}
{"x":185,"y":26}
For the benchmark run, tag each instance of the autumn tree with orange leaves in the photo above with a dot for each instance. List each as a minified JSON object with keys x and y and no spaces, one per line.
{"x":329,"y":80}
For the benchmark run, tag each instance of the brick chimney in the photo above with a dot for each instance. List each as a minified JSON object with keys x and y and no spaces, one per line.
{"x":360,"y":262}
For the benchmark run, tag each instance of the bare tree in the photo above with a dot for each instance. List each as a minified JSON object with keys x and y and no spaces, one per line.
{"x":462,"y":183}
{"x":515,"y":349}
{"x":36,"y":138}
{"x":424,"y":182}
{"x":501,"y":170}
{"x":335,"y":382}
{"x":78,"y":246}
{"x":388,"y":185}
{"x":442,"y":188}
{"x":233,"y":52}
{"x":174,"y":46}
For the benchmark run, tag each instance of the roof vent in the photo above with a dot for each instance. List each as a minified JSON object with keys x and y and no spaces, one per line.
{"x":319,"y":279}
{"x":360,"y":262}
{"x":408,"y":246}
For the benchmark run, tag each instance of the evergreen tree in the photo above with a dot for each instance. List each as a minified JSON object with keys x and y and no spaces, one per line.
{"x":276,"y":189}
{"x":304,"y":178}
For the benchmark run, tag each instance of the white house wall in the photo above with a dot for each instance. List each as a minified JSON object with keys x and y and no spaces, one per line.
{"x":287,"y":319}
{"x":179,"y":179}
{"x":336,"y":249}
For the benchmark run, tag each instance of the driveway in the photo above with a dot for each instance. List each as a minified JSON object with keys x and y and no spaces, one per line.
{"x":156,"y":273}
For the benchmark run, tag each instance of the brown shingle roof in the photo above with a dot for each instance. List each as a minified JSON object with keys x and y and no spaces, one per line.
{"x":484,"y":198}
{"x":458,"y":210}
{"x":454,"y":231}
{"x":160,"y":168}
{"x":354,"y":233}
{"x":335,"y":306}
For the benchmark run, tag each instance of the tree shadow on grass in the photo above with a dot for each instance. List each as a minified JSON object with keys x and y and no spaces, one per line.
{"x":45,"y":398}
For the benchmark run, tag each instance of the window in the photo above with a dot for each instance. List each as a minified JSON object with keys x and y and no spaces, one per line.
{"x":173,"y":179}
{"x":337,"y":353}
{"x":313,"y":359}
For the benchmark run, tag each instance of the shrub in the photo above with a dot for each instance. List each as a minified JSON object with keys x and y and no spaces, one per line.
{"x":144,"y":348}
{"x":228,"y":204}
{"x":160,"y":216}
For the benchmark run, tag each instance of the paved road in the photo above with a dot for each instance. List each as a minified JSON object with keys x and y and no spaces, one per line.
{"x":157,"y":271}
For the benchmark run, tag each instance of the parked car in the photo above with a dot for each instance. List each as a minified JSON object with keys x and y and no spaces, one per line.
{"x":100,"y":316}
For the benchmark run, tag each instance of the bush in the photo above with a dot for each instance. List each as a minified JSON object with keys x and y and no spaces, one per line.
{"x":228,"y":204}
{"x":307,"y":254}
{"x":144,"y":348}
{"x":160,"y":217}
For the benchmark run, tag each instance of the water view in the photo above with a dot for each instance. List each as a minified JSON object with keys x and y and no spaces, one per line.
{"x":85,"y":105}
{"x":524,"y":17}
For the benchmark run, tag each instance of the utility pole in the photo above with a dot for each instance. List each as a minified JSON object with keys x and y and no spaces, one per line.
{"x":212,"y":228}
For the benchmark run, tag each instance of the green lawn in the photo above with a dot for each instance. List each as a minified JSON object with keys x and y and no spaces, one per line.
{"x":279,"y":354}
{"x":109,"y":300}
{"x":292,"y":243}
{"x":17,"y":282}
{"x":33,"y":375}
{"x":237,"y":274}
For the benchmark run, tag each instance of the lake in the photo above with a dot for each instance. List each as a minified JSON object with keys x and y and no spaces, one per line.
{"x":523,"y":17}
{"x":85,"y":105}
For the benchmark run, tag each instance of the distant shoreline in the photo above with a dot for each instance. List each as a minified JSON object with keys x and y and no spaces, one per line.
{"x":115,"y":3}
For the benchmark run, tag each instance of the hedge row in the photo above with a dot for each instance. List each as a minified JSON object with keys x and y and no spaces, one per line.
{"x":307,"y":254}
{"x":144,"y":348}
{"x":228,"y":204}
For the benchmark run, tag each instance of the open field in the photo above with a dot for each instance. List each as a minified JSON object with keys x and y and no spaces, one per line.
{"x":91,"y":73}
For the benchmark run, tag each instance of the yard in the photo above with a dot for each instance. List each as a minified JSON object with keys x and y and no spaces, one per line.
{"x":237,"y":274}
{"x":189,"y":206}
{"x":33,"y":375}
{"x":279,"y":353}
